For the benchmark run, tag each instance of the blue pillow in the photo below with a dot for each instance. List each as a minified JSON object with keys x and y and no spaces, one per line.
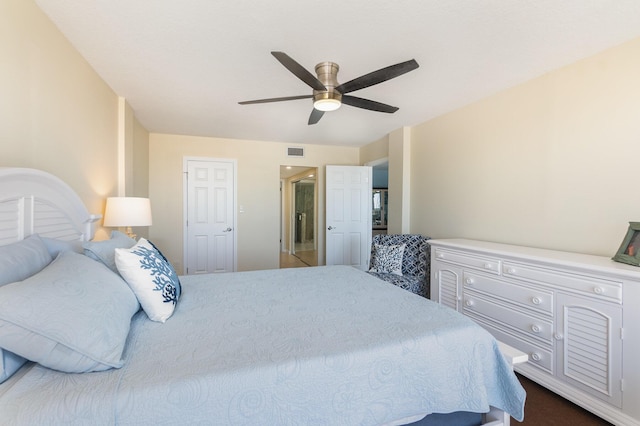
{"x":104,"y":251}
{"x":55,"y":247}
{"x":151,"y":277}
{"x":22,"y":259}
{"x":18,"y":261}
{"x":9,"y":364}
{"x":73,"y":316}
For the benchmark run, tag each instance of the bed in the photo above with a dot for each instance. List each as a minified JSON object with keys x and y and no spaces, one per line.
{"x":327,"y":345}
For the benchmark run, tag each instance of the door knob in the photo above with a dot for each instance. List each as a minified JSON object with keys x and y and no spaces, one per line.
{"x":331,"y":227}
{"x":228,"y":229}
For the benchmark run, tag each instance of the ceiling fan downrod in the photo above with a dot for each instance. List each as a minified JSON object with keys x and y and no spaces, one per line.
{"x":330,"y":99}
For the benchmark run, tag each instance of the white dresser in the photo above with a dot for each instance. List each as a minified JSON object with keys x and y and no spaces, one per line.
{"x":577,"y":317}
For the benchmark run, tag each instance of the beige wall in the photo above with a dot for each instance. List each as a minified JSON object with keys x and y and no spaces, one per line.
{"x":140,"y":174}
{"x":258,"y":189}
{"x":57,"y":114}
{"x":399,"y":181}
{"x":374,"y":151}
{"x":551,"y":163}
{"x":133,"y":158}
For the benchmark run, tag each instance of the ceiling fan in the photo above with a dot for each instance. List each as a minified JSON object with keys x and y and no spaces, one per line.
{"x":328,"y":95}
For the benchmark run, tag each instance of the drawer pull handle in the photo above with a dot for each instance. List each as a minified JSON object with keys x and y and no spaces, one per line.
{"x":536,"y":300}
{"x":440,"y":256}
{"x":598,"y":290}
{"x":535,"y":328}
{"x":469,"y":281}
{"x":558,"y":336}
{"x":487,"y":266}
{"x":536,"y":356}
{"x":511,"y":271}
{"x":468,"y":303}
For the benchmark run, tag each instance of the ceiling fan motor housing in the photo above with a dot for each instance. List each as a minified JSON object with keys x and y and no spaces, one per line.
{"x":328,"y":75}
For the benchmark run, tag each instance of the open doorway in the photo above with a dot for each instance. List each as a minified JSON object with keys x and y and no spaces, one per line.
{"x":299,"y":212}
{"x":380,"y":201}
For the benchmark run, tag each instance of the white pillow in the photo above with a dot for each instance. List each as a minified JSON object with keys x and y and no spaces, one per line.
{"x":73,"y":316}
{"x":387,"y":259}
{"x":151,"y":277}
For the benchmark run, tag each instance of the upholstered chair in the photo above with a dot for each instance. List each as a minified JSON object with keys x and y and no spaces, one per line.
{"x":414,"y":265}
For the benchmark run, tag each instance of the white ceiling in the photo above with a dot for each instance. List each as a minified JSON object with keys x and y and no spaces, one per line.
{"x":184,"y":65}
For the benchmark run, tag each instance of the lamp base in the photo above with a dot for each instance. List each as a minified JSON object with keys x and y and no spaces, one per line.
{"x":130,"y":233}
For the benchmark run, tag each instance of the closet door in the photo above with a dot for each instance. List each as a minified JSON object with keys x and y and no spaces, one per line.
{"x":210,"y":235}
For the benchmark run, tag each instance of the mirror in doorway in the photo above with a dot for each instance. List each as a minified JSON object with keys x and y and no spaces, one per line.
{"x":298,"y":224}
{"x":380,"y":200}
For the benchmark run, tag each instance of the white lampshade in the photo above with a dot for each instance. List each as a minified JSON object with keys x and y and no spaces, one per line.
{"x":127,"y":211}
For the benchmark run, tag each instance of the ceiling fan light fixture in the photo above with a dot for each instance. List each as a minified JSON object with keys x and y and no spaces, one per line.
{"x":327,"y":104}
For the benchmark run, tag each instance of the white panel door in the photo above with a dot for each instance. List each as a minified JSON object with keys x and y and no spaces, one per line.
{"x":210,"y":217}
{"x":348,"y":216}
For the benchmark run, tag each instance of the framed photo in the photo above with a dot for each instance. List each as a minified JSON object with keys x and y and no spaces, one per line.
{"x":629,"y":251}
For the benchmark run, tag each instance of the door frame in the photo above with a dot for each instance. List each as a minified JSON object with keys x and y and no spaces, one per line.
{"x":292,"y":220}
{"x":185,"y":206}
{"x":283,"y":222}
{"x":287,"y":201}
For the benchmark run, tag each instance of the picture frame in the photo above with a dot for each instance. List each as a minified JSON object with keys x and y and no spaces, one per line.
{"x":629,"y":251}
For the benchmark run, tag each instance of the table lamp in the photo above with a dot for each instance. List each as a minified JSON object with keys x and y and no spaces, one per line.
{"x":127,"y":212}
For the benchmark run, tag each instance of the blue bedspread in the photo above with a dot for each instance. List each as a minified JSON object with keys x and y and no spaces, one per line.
{"x":309,"y":346}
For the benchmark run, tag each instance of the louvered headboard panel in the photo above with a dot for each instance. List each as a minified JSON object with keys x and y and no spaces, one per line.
{"x":35,"y":202}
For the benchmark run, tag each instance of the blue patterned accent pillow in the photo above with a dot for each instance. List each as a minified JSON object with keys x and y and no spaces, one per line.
{"x":151,"y":277}
{"x":387,"y":259}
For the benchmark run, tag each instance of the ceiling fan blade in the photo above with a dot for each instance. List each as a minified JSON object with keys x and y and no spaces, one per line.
{"x":264,"y":101}
{"x":378,"y":76}
{"x":315,"y":116}
{"x":367,"y":104}
{"x":299,"y":71}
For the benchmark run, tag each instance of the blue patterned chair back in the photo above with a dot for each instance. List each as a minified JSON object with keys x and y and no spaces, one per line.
{"x":415,"y":260}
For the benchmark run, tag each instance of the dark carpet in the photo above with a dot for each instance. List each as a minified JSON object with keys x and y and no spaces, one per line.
{"x":545,"y":408}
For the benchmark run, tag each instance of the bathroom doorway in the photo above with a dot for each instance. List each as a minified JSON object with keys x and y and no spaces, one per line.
{"x":299,"y":194}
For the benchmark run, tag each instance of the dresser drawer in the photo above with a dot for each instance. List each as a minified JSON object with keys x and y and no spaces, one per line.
{"x":521,"y":322}
{"x":539,"y":356}
{"x":487,"y":264}
{"x":588,"y":286}
{"x":536,"y":299}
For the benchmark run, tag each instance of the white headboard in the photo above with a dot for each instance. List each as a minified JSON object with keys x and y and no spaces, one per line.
{"x":36,"y":202}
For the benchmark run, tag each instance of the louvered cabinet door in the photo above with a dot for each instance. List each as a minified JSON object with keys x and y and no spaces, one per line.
{"x":589,"y":346}
{"x":446,"y":284}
